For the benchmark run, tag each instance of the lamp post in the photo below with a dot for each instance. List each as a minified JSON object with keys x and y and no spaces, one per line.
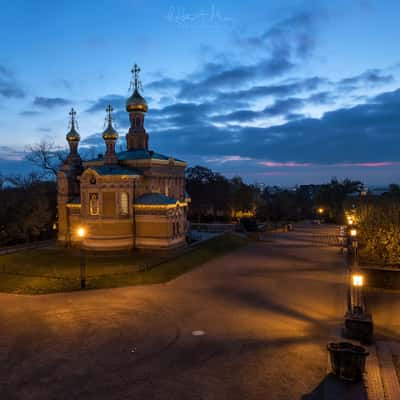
{"x":357,"y":321}
{"x":81,"y":234}
{"x":357,"y":305}
{"x":320,"y":213}
{"x":354,"y":246}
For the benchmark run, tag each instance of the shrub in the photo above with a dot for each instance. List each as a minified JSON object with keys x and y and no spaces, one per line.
{"x":378,"y":222}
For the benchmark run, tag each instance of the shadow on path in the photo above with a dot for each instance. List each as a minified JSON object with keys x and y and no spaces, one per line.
{"x":331,"y":388}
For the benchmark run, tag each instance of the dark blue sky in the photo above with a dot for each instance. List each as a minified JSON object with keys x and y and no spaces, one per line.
{"x":280,"y":92}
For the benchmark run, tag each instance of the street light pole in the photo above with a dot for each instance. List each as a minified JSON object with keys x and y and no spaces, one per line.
{"x":83,"y":268}
{"x":357,"y":304}
{"x":81,"y":234}
{"x":354,"y":247}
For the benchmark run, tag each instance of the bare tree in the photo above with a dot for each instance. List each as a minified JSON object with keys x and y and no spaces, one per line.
{"x":47,"y":156}
{"x":23,"y":181}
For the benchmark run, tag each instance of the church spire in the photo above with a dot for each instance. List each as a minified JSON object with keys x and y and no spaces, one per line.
{"x":73,"y":136}
{"x":136,"y":106}
{"x":110,"y":136}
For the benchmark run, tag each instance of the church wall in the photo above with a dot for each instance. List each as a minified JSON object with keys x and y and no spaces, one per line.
{"x":152,"y":227}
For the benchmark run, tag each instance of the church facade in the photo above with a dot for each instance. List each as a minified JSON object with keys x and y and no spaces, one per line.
{"x":134,"y":199}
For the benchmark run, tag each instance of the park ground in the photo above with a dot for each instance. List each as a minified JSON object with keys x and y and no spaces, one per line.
{"x":252,"y":324}
{"x":52,"y":270}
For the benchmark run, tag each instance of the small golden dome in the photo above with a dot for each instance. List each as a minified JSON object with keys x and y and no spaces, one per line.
{"x":110,"y":133}
{"x":73,"y":135}
{"x":136,"y":102}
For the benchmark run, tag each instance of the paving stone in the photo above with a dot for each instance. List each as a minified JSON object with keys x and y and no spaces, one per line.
{"x":373,"y":381}
{"x":388,"y":371}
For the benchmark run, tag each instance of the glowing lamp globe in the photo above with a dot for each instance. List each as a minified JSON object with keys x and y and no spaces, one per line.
{"x":353,"y":232}
{"x":81,"y":232}
{"x":357,"y":280}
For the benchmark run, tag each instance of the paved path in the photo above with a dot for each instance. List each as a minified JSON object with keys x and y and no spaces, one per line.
{"x":267,"y":311}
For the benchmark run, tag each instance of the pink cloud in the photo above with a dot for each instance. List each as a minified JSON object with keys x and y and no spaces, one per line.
{"x":287,"y":164}
{"x":378,"y":164}
{"x":225,"y":159}
{"x":294,"y":164}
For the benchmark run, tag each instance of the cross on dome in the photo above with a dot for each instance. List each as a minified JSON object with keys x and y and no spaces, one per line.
{"x":135,"y":71}
{"x":72,"y":113}
{"x":109,"y":111}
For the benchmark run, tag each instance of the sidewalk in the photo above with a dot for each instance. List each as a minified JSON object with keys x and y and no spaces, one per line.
{"x":380,"y":379}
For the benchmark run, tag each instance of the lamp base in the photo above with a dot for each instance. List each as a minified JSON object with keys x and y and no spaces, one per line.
{"x":358,"y":326}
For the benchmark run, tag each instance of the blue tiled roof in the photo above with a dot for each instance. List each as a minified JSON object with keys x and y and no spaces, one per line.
{"x":155,"y":199}
{"x":116,"y":170}
{"x":142,"y":155}
{"x":75,"y":200}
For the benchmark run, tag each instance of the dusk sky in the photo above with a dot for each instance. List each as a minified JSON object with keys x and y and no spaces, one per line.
{"x":279,"y":92}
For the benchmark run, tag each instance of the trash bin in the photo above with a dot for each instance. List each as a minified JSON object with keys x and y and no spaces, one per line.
{"x":347,"y":360}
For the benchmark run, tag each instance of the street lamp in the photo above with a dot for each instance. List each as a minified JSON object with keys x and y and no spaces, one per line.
{"x":357,"y":321}
{"x":353,"y":245}
{"x":320,"y":210}
{"x":357,"y":303}
{"x":81,"y":234}
{"x":357,"y":280}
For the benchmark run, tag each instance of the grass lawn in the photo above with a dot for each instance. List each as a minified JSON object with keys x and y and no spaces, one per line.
{"x":56,"y":270}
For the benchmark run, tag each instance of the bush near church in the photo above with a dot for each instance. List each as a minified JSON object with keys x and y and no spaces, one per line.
{"x":378,"y":221}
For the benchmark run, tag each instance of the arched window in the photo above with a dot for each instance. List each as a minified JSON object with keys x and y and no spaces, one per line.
{"x":93,"y":203}
{"x":124,"y":203}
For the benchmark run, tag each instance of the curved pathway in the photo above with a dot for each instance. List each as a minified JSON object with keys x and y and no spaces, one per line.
{"x":264,"y":312}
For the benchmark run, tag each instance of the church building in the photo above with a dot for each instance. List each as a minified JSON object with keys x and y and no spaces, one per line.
{"x":134,"y":199}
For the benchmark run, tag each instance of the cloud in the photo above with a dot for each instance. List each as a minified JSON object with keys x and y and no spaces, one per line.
{"x":279,"y":108}
{"x":286,"y":164}
{"x":9,"y":87}
{"x":93,"y":139}
{"x":50,"y":102}
{"x":362,"y":134}
{"x":117,"y":101}
{"x":165,"y":83}
{"x":234,"y":76}
{"x":379,"y":164}
{"x":8,"y":153}
{"x":370,"y":77}
{"x":294,"y":36}
{"x":227,"y":159}
{"x":277,"y":90}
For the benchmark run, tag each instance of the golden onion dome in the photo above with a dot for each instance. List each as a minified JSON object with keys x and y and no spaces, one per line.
{"x":136,"y":102}
{"x":110,"y":133}
{"x":73,"y":135}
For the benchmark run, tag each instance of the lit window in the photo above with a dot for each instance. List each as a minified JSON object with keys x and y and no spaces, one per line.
{"x":94,"y":203}
{"x":124,"y":203}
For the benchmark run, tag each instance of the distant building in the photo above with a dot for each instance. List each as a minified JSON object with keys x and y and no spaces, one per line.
{"x":131,"y":199}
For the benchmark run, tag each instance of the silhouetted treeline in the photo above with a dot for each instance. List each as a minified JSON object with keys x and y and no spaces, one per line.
{"x":216,"y":198}
{"x":27,"y":209}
